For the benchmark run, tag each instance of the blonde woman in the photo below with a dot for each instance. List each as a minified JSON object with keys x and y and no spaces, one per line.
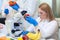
{"x":47,"y":23}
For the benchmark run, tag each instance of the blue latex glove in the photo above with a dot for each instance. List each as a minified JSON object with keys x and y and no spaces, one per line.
{"x":6,"y":11}
{"x":15,"y":7}
{"x":31,"y":20}
{"x":24,"y":33}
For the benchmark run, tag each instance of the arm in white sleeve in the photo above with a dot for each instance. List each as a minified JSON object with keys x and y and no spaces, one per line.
{"x":31,"y":28}
{"x":49,"y":29}
{"x":17,"y":16}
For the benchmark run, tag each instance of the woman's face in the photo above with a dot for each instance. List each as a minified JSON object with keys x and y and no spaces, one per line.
{"x":42,"y":14}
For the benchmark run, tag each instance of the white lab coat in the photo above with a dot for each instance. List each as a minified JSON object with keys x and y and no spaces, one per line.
{"x":29,"y":5}
{"x":3,"y":32}
{"x":49,"y":30}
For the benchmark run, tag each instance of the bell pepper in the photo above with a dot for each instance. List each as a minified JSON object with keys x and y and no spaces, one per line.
{"x":34,"y":36}
{"x":20,"y":38}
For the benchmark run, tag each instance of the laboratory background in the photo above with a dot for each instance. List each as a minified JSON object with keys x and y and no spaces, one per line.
{"x":11,"y":17}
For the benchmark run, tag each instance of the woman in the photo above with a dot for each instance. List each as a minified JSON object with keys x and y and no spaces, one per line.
{"x":47,"y":23}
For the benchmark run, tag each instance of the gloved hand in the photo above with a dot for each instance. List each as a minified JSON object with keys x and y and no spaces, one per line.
{"x":14,"y":5}
{"x":24,"y":32}
{"x":6,"y":11}
{"x":31,"y":20}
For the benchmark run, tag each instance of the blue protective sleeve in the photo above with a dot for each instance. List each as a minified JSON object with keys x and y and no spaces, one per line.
{"x":15,"y":7}
{"x":31,"y":20}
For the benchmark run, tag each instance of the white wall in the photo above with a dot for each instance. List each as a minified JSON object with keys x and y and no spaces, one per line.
{"x":58,"y":7}
{"x":46,"y":1}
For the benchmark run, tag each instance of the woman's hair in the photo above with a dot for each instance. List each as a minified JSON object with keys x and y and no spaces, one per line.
{"x":45,"y":7}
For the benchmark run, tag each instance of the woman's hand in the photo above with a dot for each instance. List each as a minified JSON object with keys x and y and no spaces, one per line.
{"x":1,"y":26}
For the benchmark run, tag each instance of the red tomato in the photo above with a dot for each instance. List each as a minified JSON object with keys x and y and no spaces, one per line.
{"x":11,"y":3}
{"x":25,"y":37}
